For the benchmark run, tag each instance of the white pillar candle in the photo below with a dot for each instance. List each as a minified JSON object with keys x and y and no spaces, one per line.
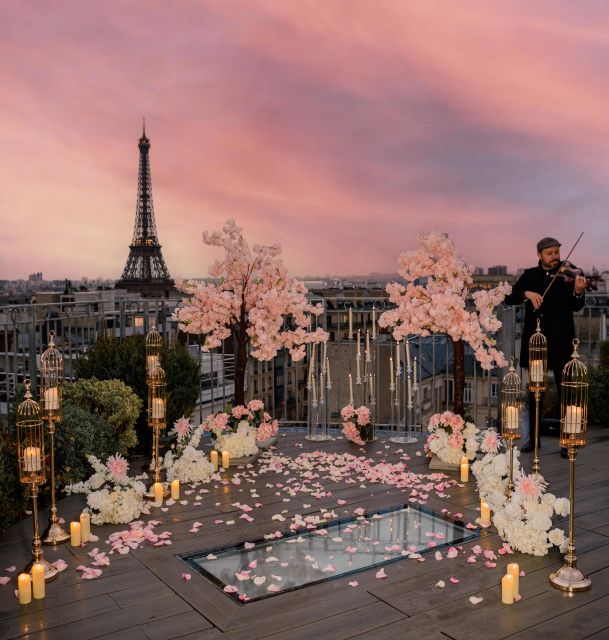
{"x":511,"y":417}
{"x":507,"y":589}
{"x":51,"y":398}
{"x":158,"y":408}
{"x":38,"y":590}
{"x":464,"y":469}
{"x":536,"y":371}
{"x":152,"y":362}
{"x":225,"y":460}
{"x":573,"y":419}
{"x":175,"y":489}
{"x":213,"y":457}
{"x":514,"y":570}
{"x":350,"y":390}
{"x":31,"y":459}
{"x":75,"y":538}
{"x":85,"y":527}
{"x":350,"y":322}
{"x":24,"y":583}
{"x":158,"y":494}
{"x":485,"y":514}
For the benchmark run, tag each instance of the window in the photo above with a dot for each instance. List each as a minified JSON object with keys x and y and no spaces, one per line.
{"x":467,"y":393}
{"x":494,"y":390}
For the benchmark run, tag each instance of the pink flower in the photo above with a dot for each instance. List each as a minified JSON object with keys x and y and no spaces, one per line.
{"x":117,"y":467}
{"x":363,"y":416}
{"x":347,"y":412}
{"x":255,"y":405}
{"x":182,"y":428}
{"x":240,"y":411}
{"x":351,"y":432}
{"x":456,"y":440}
{"x":529,"y":486}
{"x":220,"y":421}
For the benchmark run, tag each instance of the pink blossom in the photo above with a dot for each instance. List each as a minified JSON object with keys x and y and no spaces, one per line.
{"x":182,"y":428}
{"x":117,"y":467}
{"x":255,"y":405}
{"x":347,"y":412}
{"x":529,"y":486}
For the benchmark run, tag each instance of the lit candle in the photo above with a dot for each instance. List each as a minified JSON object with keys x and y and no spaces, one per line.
{"x":38,"y":580}
{"x":175,"y":489}
{"x":213,"y":456}
{"x":24,"y":583}
{"x":51,"y":398}
{"x":85,"y":526}
{"x":158,"y":408}
{"x":573,"y":419}
{"x":485,"y":514}
{"x":350,"y":390}
{"x":391,"y":370}
{"x":536,"y":371}
{"x":373,"y":322}
{"x":328,"y":379}
{"x":511,"y":417}
{"x":507,"y":589}
{"x":75,"y":538}
{"x":357,"y":368}
{"x":359,"y":347}
{"x":225,"y":459}
{"x":158,"y":494}
{"x":350,"y":323}
{"x":464,"y":469}
{"x":31,"y":459}
{"x":514,"y":570}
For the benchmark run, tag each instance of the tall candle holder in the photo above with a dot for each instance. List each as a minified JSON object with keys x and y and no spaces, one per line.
{"x":157,"y":420}
{"x":399,"y":435}
{"x":538,"y":371}
{"x":32,"y":468}
{"x":573,"y":423}
{"x":511,"y":393}
{"x":51,"y":397}
{"x":319,"y":386}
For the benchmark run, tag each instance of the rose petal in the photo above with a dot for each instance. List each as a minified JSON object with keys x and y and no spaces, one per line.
{"x":441,"y":584}
{"x":475,"y":600}
{"x":186,"y":577}
{"x":380,"y":574}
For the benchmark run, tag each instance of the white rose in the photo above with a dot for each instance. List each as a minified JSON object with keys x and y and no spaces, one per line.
{"x":561,"y":506}
{"x":556,"y":537}
{"x":540,"y":521}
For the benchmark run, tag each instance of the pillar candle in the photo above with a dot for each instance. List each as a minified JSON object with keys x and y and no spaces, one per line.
{"x":391,"y":370}
{"x":24,"y":583}
{"x":175,"y":489}
{"x":367,"y":343}
{"x":51,"y":398}
{"x":158,"y":408}
{"x":507,"y":589}
{"x":85,"y":526}
{"x":38,"y":580}
{"x":357,"y":369}
{"x":573,"y":419}
{"x":536,"y":371}
{"x":213,"y":457}
{"x":158,"y":494}
{"x":511,"y":417}
{"x":514,"y":570}
{"x":350,"y":390}
{"x":464,"y":469}
{"x":31,"y":459}
{"x":485,"y":514}
{"x":75,"y":538}
{"x":225,"y":459}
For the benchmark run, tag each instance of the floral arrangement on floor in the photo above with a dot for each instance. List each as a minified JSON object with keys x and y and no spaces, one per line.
{"x":112,"y":495}
{"x":525,"y":521}
{"x":357,"y":425}
{"x":451,"y":438}
{"x":185,"y":461}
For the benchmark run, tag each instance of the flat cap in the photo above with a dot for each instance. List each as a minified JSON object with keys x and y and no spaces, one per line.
{"x":546,"y":243}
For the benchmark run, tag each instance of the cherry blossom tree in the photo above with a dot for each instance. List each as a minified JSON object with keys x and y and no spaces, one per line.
{"x":435,"y":300}
{"x":253,"y":300}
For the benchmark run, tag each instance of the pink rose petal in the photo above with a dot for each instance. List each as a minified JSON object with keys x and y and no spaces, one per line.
{"x":186,"y":577}
{"x":475,"y":600}
{"x":380,"y":574}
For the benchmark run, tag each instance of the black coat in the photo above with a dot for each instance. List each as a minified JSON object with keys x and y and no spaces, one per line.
{"x":556,"y":314}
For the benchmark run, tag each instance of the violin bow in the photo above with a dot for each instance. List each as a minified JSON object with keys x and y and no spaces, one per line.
{"x":563,"y":266}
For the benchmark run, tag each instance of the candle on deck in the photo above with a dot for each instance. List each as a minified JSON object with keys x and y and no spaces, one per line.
{"x":75,"y":538}
{"x":31,"y":459}
{"x":464,"y":469}
{"x":85,"y":527}
{"x":158,"y":494}
{"x":24,"y":583}
{"x":511,"y":418}
{"x":213,"y":457}
{"x":485,"y":514}
{"x":38,"y":590}
{"x":507,"y":589}
{"x":158,"y":408}
{"x":514,"y":570}
{"x":175,"y":489}
{"x":225,"y":459}
{"x":573,"y":419}
{"x":51,"y":398}
{"x":536,"y":371}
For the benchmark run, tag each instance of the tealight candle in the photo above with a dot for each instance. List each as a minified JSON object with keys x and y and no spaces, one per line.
{"x":514,"y":570}
{"x":24,"y":583}
{"x":158,"y":494}
{"x":507,"y":589}
{"x":51,"y":398}
{"x":175,"y":489}
{"x":225,"y":459}
{"x":213,"y":457}
{"x":464,"y":469}
{"x":536,"y":371}
{"x":75,"y":538}
{"x":85,"y":526}
{"x":38,"y":580}
{"x":485,"y":514}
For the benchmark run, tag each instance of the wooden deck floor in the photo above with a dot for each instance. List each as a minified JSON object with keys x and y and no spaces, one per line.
{"x":142,"y":594}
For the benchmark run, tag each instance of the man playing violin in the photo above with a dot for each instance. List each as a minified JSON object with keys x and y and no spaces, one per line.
{"x":555,"y":309}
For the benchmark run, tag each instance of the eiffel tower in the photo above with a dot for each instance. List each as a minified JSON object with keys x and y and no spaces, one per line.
{"x":145,"y":272}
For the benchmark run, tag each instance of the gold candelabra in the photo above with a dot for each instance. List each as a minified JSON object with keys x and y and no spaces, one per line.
{"x":32,"y":468}
{"x":157,"y":420}
{"x":573,"y":422}
{"x":538,"y":371}
{"x":511,"y":393}
{"x":51,"y":382}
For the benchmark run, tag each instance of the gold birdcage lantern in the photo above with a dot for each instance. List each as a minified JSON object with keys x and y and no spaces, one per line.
{"x":538,"y":371}
{"x":157,"y":419}
{"x":32,"y":467}
{"x":154,"y":342}
{"x":573,"y":422}
{"x":511,"y":411}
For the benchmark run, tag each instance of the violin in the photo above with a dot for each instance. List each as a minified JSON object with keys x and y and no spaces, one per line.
{"x":568,"y":272}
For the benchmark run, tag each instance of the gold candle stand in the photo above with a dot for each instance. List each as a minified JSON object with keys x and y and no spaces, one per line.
{"x":538,"y":371}
{"x":573,"y":423}
{"x":511,"y":393}
{"x":32,"y":469}
{"x":157,"y":420}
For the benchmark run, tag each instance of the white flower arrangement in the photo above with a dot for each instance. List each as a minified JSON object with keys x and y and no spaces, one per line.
{"x":525,"y":521}
{"x":185,"y":461}
{"x":240,"y":443}
{"x":451,"y":438}
{"x":236,"y":429}
{"x":111,"y":494}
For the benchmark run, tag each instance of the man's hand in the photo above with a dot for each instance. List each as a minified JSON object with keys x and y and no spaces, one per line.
{"x":580,"y":285}
{"x":535,"y":298}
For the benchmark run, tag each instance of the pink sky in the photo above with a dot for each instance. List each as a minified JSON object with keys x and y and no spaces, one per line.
{"x":339,"y":129}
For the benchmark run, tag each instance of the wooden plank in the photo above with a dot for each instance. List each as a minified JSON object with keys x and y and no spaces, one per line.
{"x":175,"y":626}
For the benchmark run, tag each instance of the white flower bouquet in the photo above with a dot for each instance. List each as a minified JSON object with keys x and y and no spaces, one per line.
{"x":185,"y":461}
{"x":451,"y":438}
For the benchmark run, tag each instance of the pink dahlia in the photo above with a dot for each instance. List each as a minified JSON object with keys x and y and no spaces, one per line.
{"x":181,"y":427}
{"x":117,"y":468}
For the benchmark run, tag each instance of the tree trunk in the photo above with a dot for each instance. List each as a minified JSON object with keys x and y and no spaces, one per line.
{"x":458,"y":376}
{"x":241,"y":364}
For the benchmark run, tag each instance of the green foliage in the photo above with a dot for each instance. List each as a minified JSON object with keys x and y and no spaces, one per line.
{"x":598,"y":399}
{"x":182,"y":373}
{"x":14,"y":496}
{"x":113,"y":401}
{"x":604,"y":355}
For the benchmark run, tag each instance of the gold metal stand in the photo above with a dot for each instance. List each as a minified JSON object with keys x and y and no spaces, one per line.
{"x":54,"y":534}
{"x":509,"y":490}
{"x":149,"y":495}
{"x":50,"y":572}
{"x":536,"y":468}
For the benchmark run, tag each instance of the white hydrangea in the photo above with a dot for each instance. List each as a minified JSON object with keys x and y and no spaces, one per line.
{"x":239,"y":444}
